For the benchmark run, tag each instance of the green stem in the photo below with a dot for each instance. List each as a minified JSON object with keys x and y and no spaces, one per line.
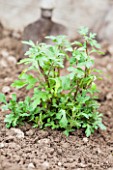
{"x":44,"y":75}
{"x":77,"y":89}
{"x":87,"y":53}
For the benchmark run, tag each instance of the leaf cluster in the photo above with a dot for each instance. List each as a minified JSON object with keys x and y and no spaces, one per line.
{"x":59,"y":101}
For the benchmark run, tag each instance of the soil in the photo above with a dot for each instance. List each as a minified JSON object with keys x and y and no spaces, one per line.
{"x":24,"y":148}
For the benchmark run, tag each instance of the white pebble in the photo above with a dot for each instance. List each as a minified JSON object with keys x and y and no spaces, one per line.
{"x":6,"y":89}
{"x":45,"y":165}
{"x":44,"y":141}
{"x":2,"y":145}
{"x":4,"y":53}
{"x":59,"y":163}
{"x":19,"y":134}
{"x":12,"y":59}
{"x":31,"y":166}
{"x":3,"y":63}
{"x":109,"y":96}
{"x":85,"y":139}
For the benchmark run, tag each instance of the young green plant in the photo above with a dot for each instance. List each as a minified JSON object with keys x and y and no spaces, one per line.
{"x":59,"y":101}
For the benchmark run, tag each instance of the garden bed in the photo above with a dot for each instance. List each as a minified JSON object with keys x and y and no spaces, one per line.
{"x":39,"y":149}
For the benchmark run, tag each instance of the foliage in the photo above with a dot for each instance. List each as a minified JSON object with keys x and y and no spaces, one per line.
{"x":59,"y":101}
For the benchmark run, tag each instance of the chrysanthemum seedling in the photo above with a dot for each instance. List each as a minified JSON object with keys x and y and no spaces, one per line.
{"x":60,"y":102}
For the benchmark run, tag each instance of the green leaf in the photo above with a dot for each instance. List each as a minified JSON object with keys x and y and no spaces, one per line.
{"x":66,"y":132}
{"x":25,"y":61}
{"x":92,"y":35}
{"x":77,"y":43}
{"x":3,"y":98}
{"x":24,"y":115}
{"x":65,"y":82}
{"x":57,"y":85}
{"x":9,"y":118}
{"x":88,"y":130}
{"x":30,"y":43}
{"x":102,"y":126}
{"x":14,"y":97}
{"x":5,"y":107}
{"x":89,"y":63}
{"x":36,"y":102}
{"x":63,"y":119}
{"x":38,"y":96}
{"x":83,"y":31}
{"x":18,"y":84}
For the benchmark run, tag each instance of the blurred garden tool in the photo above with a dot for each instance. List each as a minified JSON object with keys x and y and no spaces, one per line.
{"x":44,"y":26}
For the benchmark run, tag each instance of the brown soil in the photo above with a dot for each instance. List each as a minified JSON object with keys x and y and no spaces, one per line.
{"x":42,"y":150}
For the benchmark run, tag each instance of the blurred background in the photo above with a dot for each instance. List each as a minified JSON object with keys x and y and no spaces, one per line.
{"x":96,"y":14}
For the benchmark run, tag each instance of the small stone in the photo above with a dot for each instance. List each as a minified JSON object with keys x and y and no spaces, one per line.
{"x":59,"y":151}
{"x":70,"y":160}
{"x":30,"y":132}
{"x":59,"y":164}
{"x":19,"y":134}
{"x":43,"y":133}
{"x":85,"y":139}
{"x":51,"y":150}
{"x":82,"y":165}
{"x":45,"y":165}
{"x":3,"y":63}
{"x":110,"y":168}
{"x":2,"y":145}
{"x":6,"y":89}
{"x":109,"y":113}
{"x":16,"y":35}
{"x":110,"y":49}
{"x":4,"y":53}
{"x":70,"y":165}
{"x":8,"y":79}
{"x":65,"y":145}
{"x":98,"y":150}
{"x":15,"y":146}
{"x":31,"y":166}
{"x":12,"y":59}
{"x":109,"y":67}
{"x":109,"y":96}
{"x":44,"y":141}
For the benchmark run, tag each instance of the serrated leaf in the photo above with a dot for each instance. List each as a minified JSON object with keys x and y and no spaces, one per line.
{"x":92,"y":35}
{"x":83,"y":31}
